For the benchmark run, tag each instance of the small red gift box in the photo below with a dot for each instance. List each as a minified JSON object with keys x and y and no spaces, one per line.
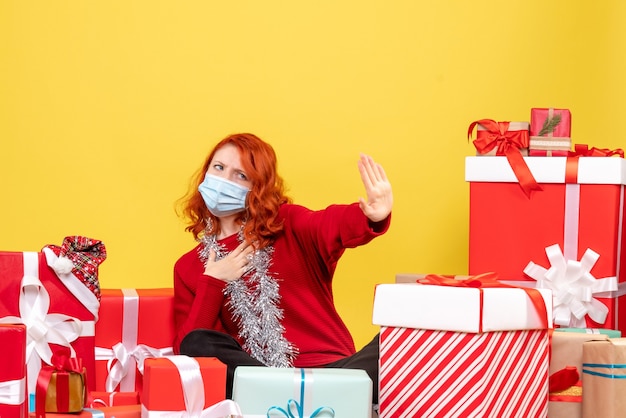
{"x":134,"y":324}
{"x":164,"y":391}
{"x":99,"y":399}
{"x":568,"y":237}
{"x":122,"y":411}
{"x":550,"y":132}
{"x":462,"y":351}
{"x":58,"y":304}
{"x":13,"y":371}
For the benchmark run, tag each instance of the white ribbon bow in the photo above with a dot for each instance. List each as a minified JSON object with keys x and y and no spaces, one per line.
{"x":122,"y":361}
{"x":126,"y":355}
{"x":573,"y":287}
{"x":193,"y":394}
{"x":43,"y":328}
{"x":12,"y":392}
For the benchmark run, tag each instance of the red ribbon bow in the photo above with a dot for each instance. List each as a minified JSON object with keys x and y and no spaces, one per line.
{"x":62,"y":364}
{"x":488,"y":280}
{"x":583,"y":150}
{"x":563,"y":379}
{"x":507,"y":143}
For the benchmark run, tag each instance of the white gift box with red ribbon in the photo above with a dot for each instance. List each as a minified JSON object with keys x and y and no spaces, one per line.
{"x":567,"y":237}
{"x":461,"y":351}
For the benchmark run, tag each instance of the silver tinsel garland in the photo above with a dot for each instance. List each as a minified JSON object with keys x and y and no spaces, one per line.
{"x":253,"y":301}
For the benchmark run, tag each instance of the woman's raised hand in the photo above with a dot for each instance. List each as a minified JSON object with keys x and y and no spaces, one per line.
{"x":378,"y":189}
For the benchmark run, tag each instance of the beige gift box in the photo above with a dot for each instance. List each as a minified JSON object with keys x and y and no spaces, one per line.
{"x":604,"y":378}
{"x":567,"y":350}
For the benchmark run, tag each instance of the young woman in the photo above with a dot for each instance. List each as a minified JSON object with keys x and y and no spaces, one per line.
{"x":257,"y":289}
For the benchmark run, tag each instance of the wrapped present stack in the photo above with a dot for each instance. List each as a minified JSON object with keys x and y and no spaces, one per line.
{"x":55,"y":295}
{"x":72,"y":349}
{"x":556,"y":223}
{"x":558,"y":227}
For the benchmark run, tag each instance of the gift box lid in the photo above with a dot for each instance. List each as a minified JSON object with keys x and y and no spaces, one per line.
{"x":459,"y":309}
{"x":591,"y":170}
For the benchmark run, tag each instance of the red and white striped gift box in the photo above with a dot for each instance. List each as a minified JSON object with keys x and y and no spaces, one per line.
{"x":451,"y":352}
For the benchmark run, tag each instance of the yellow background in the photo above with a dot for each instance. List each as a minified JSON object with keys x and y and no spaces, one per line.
{"x":108,"y":107}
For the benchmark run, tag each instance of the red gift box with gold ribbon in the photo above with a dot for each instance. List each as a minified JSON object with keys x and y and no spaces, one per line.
{"x":135,"y":324}
{"x":61,"y":387}
{"x":567,"y":237}
{"x":56,"y":296}
{"x":13,"y":398}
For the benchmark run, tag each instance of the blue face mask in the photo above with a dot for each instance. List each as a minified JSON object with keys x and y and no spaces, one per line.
{"x":222,"y":197}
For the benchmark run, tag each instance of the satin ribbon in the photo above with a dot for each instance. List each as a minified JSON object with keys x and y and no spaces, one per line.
{"x":43,"y":328}
{"x":303,"y":378}
{"x":63,"y":364}
{"x":126,"y":356}
{"x":507,"y":143}
{"x":573,"y":287}
{"x":583,"y":150}
{"x":193,"y":394}
{"x":489,"y":280}
{"x":617,"y":370}
{"x":12,"y":392}
{"x":563,"y":379}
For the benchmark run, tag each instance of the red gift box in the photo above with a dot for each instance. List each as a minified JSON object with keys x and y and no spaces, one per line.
{"x":204,"y":387}
{"x":462,"y":351}
{"x":13,"y":371}
{"x":122,"y":411}
{"x":32,"y":293}
{"x":135,"y":324}
{"x":568,"y":237}
{"x":550,"y":132}
{"x":98,"y":399}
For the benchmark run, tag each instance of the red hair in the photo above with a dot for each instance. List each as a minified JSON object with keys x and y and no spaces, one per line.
{"x":258,"y":161}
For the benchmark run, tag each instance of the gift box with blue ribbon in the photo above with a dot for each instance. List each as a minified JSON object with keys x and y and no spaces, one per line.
{"x":302,"y":392}
{"x":604,"y":378}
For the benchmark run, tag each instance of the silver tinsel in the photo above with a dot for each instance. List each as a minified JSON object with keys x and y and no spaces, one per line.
{"x":253,"y":301}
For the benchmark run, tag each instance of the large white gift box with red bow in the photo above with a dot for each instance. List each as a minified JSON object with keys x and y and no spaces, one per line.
{"x":462,"y":351}
{"x":567,"y":237}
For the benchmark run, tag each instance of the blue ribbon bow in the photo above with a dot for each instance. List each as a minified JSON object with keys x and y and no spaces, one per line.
{"x":292,"y":405}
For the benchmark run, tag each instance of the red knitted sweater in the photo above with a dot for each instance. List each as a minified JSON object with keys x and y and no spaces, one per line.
{"x":303,"y":262}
